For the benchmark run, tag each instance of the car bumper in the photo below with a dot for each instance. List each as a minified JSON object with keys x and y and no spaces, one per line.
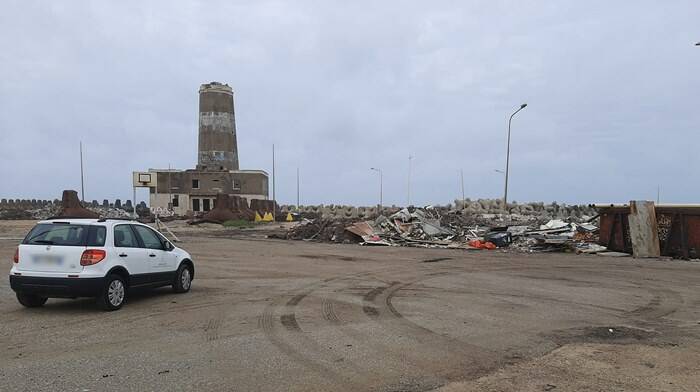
{"x":57,"y":287}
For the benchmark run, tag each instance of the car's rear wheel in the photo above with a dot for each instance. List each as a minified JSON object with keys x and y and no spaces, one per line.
{"x":31,"y":300}
{"x":114,"y":293}
{"x":183,"y":279}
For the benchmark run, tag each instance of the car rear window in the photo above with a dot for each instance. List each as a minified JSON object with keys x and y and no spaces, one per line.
{"x":66,"y":234}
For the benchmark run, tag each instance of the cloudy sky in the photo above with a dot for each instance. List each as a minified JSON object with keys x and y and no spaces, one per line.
{"x":612,"y":91}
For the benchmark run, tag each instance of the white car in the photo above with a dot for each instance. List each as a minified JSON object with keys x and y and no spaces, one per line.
{"x":101,"y":258}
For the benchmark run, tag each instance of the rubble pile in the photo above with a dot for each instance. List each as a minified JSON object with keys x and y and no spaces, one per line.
{"x":322,"y":230}
{"x":52,"y":210}
{"x":44,"y":209}
{"x":441,"y":227}
{"x":226,"y":208}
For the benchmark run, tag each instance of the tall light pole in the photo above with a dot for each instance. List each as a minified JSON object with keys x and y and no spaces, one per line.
{"x":505,"y":193}
{"x":408,"y":194}
{"x":274,"y":198}
{"x":461,"y":176}
{"x":82,"y":180}
{"x":381,"y":186}
{"x":297,"y":188}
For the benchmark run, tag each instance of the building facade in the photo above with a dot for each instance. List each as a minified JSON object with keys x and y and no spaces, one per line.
{"x":183,"y":192}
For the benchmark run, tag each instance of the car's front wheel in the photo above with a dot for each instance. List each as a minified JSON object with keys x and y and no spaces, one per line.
{"x":31,"y":300}
{"x":183,"y":279}
{"x":114,"y":293}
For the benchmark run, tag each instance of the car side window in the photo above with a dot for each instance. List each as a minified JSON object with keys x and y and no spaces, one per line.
{"x":124,"y":237}
{"x":96,"y":236}
{"x":149,"y":237}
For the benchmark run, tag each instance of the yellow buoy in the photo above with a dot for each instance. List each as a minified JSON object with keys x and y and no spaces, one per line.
{"x":258,"y":218}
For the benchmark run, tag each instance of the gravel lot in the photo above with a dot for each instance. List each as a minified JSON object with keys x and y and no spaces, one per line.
{"x":274,"y":315}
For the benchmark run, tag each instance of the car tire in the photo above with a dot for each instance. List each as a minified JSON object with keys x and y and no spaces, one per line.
{"x":31,"y":300}
{"x":183,"y":279}
{"x":114,"y":293}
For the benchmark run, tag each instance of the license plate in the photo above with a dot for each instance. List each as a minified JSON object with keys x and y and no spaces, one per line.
{"x":47,"y":260}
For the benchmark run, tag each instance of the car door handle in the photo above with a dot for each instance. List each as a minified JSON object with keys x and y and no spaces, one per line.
{"x":152,"y":255}
{"x":123,"y":255}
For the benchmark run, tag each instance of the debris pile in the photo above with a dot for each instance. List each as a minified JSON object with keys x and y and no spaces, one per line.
{"x":222,"y":212}
{"x":51,"y":210}
{"x":322,"y":230}
{"x":235,"y":208}
{"x":433,"y":227}
{"x":68,"y":206}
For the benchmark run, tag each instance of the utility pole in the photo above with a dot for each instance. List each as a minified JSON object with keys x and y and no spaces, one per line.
{"x":461,"y":175}
{"x":297,"y":188}
{"x":408,"y":194}
{"x":274,"y":199}
{"x":381,"y":187}
{"x":82,"y":179}
{"x":134,"y":200}
{"x":170,"y":189}
{"x":658,"y":194}
{"x":505,"y":193}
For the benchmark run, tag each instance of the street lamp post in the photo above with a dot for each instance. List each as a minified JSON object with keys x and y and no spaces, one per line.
{"x":381,"y":186}
{"x":505,"y":193}
{"x":408,"y":193}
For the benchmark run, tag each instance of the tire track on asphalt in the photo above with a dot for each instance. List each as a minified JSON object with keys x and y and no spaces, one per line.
{"x":663,"y":303}
{"x":285,"y":339}
{"x":329,"y":313}
{"x":212,"y":328}
{"x":459,"y":359}
{"x":372,"y":348}
{"x":447,"y":358}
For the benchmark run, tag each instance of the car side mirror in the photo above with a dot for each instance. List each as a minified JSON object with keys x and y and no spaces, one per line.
{"x":169,"y":246}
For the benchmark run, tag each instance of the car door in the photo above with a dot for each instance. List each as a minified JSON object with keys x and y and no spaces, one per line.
{"x":130,"y":252}
{"x":154,"y":253}
{"x":170,"y":258}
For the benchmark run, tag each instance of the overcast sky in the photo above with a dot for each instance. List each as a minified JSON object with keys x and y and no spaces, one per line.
{"x":612,"y":91}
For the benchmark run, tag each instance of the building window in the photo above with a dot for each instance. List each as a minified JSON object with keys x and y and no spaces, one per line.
{"x":176,"y":201}
{"x":195,"y":205}
{"x":195,"y":184}
{"x":206,"y":204}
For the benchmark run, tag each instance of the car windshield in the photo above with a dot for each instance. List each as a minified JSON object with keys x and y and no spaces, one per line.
{"x":65,"y":234}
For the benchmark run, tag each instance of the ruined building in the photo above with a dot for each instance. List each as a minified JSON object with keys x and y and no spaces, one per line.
{"x":217,"y":170}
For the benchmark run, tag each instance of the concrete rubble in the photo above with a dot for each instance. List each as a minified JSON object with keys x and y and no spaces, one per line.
{"x":228,"y":208}
{"x":488,"y":208}
{"x":445,"y":227}
{"x":43,"y":209}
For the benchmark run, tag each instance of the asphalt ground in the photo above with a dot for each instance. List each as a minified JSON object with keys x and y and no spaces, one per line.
{"x":272,"y":315}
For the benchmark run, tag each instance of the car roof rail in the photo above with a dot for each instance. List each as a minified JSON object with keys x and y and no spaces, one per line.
{"x":66,"y":217}
{"x":119,"y":219}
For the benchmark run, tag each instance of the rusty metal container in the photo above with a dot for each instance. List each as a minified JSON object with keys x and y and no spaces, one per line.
{"x":678,"y":225}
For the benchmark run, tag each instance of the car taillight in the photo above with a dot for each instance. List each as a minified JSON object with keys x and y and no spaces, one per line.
{"x":16,"y":258}
{"x":92,"y":256}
